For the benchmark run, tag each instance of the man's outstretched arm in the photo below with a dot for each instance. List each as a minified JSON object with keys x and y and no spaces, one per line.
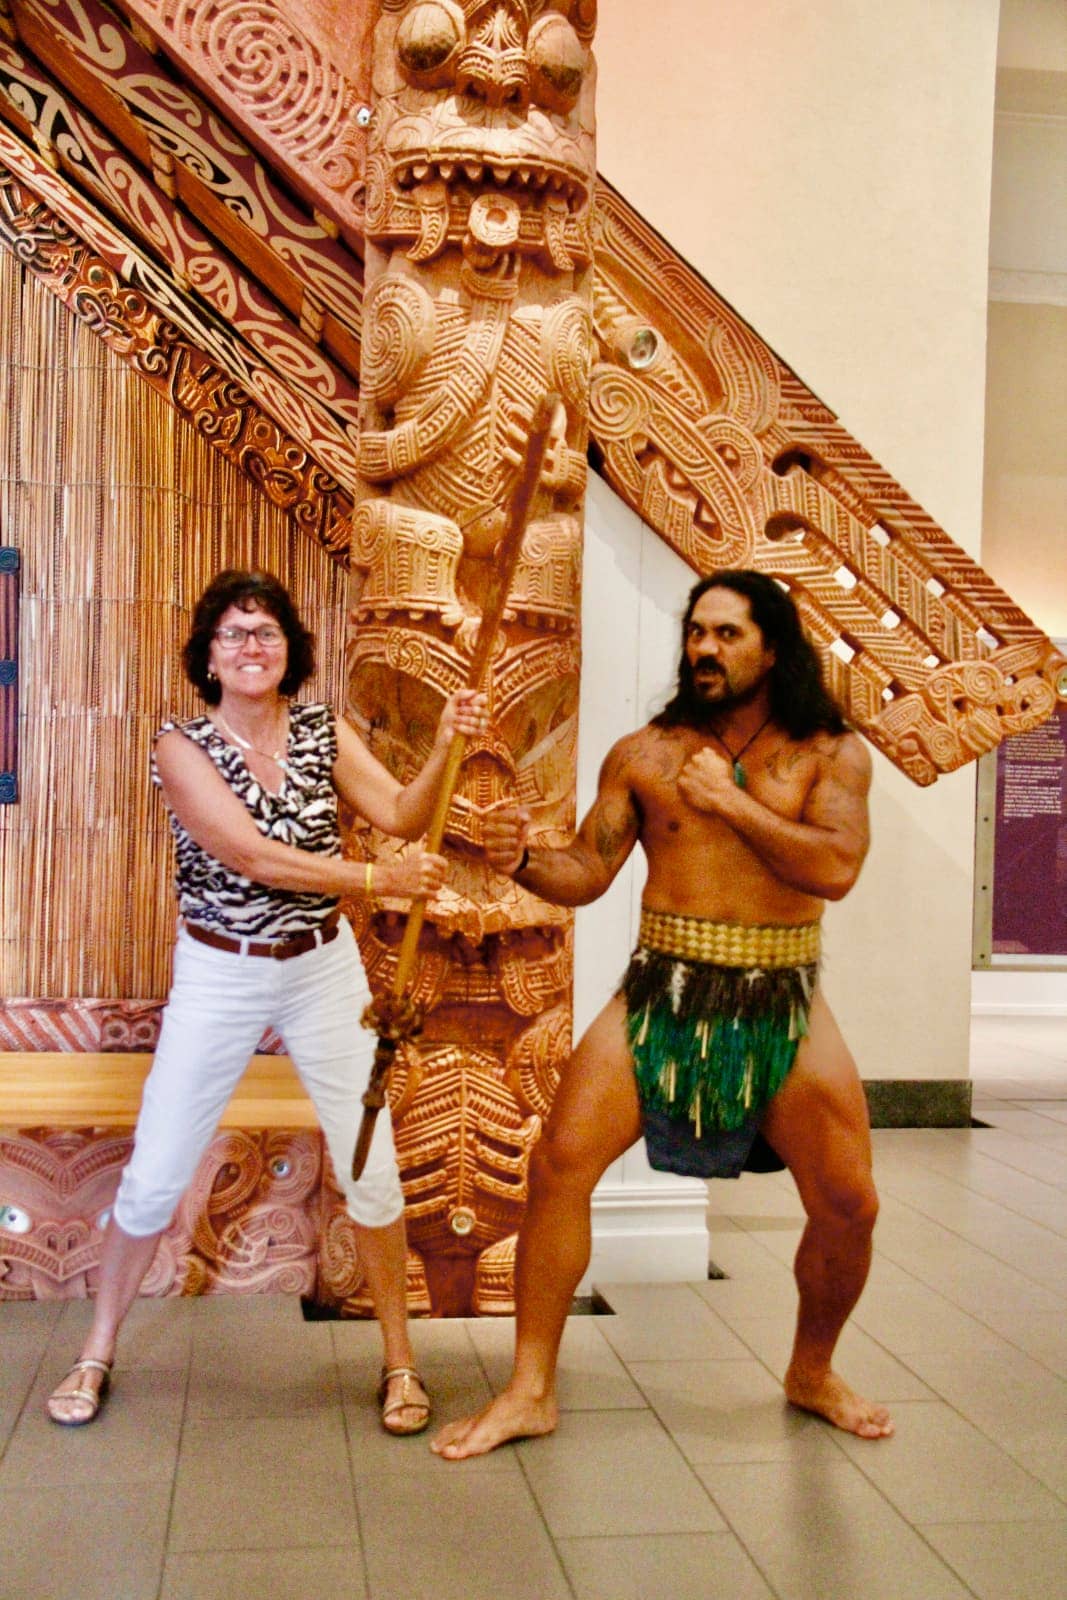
{"x":822,"y":853}
{"x":579,"y":872}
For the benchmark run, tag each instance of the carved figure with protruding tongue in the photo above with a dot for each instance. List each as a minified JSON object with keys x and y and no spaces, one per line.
{"x":480,"y":176}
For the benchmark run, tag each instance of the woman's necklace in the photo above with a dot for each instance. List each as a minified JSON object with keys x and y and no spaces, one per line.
{"x":277,"y":756}
{"x":735,"y":755}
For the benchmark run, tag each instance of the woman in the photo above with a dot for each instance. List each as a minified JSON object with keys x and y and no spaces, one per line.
{"x":252,"y":790}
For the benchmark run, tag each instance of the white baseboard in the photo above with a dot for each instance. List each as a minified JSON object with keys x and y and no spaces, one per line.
{"x":649,"y":1233}
{"x":1000,"y":1008}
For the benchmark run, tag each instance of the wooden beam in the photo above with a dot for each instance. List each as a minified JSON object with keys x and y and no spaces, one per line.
{"x":64,"y":1089}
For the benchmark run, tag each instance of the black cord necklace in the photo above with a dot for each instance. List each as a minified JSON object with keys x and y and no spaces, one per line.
{"x":735,"y":755}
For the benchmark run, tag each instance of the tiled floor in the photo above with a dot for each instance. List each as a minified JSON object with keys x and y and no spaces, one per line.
{"x":240,"y":1454}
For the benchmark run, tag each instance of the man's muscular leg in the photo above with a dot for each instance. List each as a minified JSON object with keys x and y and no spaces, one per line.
{"x":595,"y":1118}
{"x":818,"y":1124}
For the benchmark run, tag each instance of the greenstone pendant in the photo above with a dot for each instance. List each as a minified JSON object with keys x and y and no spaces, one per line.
{"x":739,"y":775}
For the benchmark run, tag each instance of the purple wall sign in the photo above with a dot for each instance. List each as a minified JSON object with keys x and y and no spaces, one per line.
{"x":1030,"y":843}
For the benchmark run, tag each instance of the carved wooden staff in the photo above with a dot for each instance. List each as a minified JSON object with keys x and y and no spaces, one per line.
{"x":395,"y":1016}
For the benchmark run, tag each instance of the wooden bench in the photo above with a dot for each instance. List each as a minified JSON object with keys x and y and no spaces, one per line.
{"x":68,"y":1089}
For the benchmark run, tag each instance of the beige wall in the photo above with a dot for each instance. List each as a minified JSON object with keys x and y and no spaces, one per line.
{"x":1025,"y":504}
{"x":827,"y":167}
{"x":1033,"y":35}
{"x":1024,"y":543}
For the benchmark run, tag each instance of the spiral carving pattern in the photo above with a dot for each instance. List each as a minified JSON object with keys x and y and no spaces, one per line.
{"x":398,"y":334}
{"x":261,"y":60}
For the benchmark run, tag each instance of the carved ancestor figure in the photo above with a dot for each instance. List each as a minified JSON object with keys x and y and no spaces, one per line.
{"x":479,"y":181}
{"x":247,"y":1223}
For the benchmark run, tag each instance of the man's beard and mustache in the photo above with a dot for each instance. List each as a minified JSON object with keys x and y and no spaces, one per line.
{"x":701,"y":711}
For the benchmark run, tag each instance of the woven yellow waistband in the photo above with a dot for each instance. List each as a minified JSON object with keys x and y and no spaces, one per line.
{"x":729,"y":944}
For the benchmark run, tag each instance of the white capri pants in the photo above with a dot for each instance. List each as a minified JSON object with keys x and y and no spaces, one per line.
{"x":219,"y":1005}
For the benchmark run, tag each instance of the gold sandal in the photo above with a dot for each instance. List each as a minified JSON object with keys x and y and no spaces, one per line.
{"x":93,"y":1398}
{"x":405,"y":1402}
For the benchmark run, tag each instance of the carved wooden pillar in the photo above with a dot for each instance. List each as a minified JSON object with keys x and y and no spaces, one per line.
{"x":478,"y":300}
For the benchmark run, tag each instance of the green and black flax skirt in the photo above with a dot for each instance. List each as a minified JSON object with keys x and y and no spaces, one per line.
{"x":711,"y":1046}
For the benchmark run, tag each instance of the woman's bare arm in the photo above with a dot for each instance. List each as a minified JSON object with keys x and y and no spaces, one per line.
{"x":221,"y":824}
{"x":403,"y":810}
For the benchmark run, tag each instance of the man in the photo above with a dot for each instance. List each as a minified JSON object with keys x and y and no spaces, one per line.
{"x":749,"y":797}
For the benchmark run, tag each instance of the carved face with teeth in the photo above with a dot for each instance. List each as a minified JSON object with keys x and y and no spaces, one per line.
{"x":492,"y":93}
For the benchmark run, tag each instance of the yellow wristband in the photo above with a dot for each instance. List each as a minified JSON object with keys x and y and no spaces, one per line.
{"x":368,"y":873}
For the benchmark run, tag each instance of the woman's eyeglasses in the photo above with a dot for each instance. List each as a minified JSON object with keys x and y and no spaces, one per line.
{"x":267,"y":633}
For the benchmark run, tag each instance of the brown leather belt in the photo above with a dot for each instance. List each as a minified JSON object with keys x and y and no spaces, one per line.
{"x":281,"y":949}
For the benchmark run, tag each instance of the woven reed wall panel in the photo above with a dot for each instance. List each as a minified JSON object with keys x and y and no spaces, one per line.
{"x":121,"y":514}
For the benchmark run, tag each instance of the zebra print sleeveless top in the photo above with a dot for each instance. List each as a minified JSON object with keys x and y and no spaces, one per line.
{"x":303,"y":814}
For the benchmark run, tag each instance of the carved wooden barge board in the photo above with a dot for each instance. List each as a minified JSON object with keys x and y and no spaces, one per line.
{"x":702,"y":430}
{"x":195,"y":158}
{"x":719,"y":445}
{"x":194,"y":283}
{"x":283,"y":89}
{"x":210,"y":399}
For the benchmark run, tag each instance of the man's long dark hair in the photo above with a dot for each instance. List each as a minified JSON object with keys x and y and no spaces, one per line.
{"x":800,"y":702}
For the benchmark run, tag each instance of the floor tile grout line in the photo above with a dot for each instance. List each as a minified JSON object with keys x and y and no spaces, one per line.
{"x":917,"y":1155}
{"x":941,"y":1398}
{"x":918,"y":1211}
{"x":962,"y":1239}
{"x":1032,"y":1145}
{"x":1026,"y":1107}
{"x":165,"y":1551}
{"x":931,"y":1288}
{"x":349,"y":1456}
{"x":973,"y":1316}
{"x":901,"y":1266}
{"x":901,"y":1357}
{"x":969,"y":1422}
{"x":472,"y":1342}
{"x":1055,"y":1194}
{"x":539,"y":1509}
{"x":628,"y":1411}
{"x":1050,"y":1146}
{"x":734,"y":1532}
{"x":31,"y":1386}
{"x":917,"y":1528}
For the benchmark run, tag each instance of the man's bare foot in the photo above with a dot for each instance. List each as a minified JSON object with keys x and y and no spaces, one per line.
{"x":829,"y":1396}
{"x":509,"y":1416}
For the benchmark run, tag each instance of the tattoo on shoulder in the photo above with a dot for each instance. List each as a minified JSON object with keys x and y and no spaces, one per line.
{"x":782,"y":763}
{"x":661,"y":753}
{"x":845,"y":777}
{"x":848,"y":760}
{"x":618,"y":761}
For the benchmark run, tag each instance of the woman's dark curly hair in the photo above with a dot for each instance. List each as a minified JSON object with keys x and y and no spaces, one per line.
{"x":235,"y":587}
{"x":800,"y":702}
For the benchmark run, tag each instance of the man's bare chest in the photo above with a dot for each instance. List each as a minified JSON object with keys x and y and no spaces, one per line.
{"x":779,"y":775}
